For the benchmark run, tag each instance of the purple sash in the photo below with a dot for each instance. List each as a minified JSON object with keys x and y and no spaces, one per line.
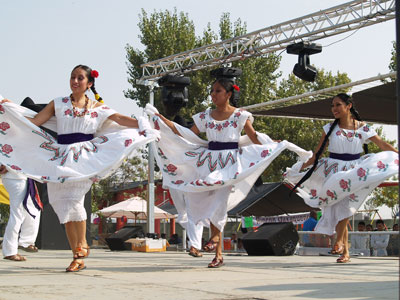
{"x":32,"y":191}
{"x":66,"y":139}
{"x":344,"y":156}
{"x":222,"y":145}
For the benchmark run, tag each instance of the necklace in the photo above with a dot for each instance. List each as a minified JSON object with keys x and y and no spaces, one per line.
{"x":75,"y":110}
{"x":350,"y":135}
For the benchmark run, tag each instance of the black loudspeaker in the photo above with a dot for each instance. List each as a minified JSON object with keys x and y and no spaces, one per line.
{"x":116,"y":240}
{"x":271,"y":239}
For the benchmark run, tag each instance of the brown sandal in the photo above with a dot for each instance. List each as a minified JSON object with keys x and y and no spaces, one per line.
{"x":75,"y":266}
{"x":337,"y":249}
{"x":15,"y":257}
{"x":210,"y":246}
{"x":343,"y":259}
{"x":30,"y":248}
{"x":216,"y":263}
{"x":81,"y":252}
{"x":195,"y":252}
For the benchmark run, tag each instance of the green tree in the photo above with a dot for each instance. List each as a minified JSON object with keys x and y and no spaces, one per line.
{"x":388,"y":196}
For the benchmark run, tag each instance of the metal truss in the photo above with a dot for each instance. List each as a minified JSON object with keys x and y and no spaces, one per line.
{"x":325,"y":23}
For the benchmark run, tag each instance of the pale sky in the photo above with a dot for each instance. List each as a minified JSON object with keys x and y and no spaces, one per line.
{"x":42,"y":40}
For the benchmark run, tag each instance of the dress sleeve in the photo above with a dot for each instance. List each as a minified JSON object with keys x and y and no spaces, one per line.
{"x":367,"y":131}
{"x":104,"y":112}
{"x":243,"y":117}
{"x":327,"y":127}
{"x":200,"y":121}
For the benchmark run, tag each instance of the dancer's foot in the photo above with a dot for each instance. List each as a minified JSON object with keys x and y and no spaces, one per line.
{"x":216,"y":263}
{"x":337,"y":249}
{"x":210,"y":246}
{"x":76,"y":266}
{"x":195,"y":252}
{"x":30,"y":248}
{"x":15,"y":257}
{"x":343,"y":259}
{"x":81,"y":252}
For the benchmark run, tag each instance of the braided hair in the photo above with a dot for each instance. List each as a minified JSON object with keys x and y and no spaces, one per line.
{"x":91,"y":79}
{"x":228,"y":85}
{"x":347,"y":100}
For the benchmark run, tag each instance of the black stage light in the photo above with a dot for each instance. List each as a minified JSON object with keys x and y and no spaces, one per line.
{"x":231,"y":74}
{"x":174,"y":93}
{"x":303,"y":69}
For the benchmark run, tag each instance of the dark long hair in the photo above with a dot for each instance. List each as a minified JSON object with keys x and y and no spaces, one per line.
{"x":91,"y":79}
{"x":228,"y":84}
{"x":347,"y":100}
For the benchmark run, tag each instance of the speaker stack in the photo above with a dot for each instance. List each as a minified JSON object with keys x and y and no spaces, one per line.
{"x":116,"y":240}
{"x":272,"y":239}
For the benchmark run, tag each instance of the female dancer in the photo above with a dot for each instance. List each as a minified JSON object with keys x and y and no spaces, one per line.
{"x":340,"y":183}
{"x":88,"y":147}
{"x":206,"y":179}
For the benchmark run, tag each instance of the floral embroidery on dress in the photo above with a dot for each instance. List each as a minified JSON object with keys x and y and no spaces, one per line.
{"x":396,"y":161}
{"x":381,"y":166}
{"x":266,"y":153}
{"x":345,"y":185}
{"x":2,"y":111}
{"x":161,"y":153}
{"x":331,"y":194}
{"x":14,"y":167}
{"x":333,"y":168}
{"x":362,"y":174}
{"x":170,"y":169}
{"x":94,"y":115}
{"x":366,"y":128}
{"x":3,"y":127}
{"x":65,"y":99}
{"x":202,"y":115}
{"x":177,"y":182}
{"x":68,"y":112}
{"x":6,"y":149}
{"x":353,"y":197}
{"x":105,"y":107}
{"x":128,"y":142}
{"x":313,"y":194}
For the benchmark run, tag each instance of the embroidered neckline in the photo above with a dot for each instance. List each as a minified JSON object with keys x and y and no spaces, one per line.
{"x":230,"y":116}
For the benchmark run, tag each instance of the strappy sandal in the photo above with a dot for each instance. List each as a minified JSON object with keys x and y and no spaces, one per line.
{"x":337,"y":249}
{"x":81,"y":252}
{"x":216,"y":263}
{"x":75,"y":266}
{"x":30,"y":248}
{"x":195,"y":252}
{"x":15,"y":257}
{"x":210,"y":246}
{"x":343,"y":259}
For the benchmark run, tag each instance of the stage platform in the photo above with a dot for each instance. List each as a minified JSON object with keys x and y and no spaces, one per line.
{"x":176,"y":275}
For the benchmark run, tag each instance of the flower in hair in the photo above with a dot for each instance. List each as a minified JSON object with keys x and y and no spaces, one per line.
{"x":94,"y":74}
{"x":236,"y":87}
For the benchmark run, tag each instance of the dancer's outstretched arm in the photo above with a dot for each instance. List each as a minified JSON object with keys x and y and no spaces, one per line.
{"x":171,"y":125}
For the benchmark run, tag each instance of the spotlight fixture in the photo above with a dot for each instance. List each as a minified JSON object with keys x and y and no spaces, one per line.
{"x":174,"y":94}
{"x":303,"y":69}
{"x":228,"y":73}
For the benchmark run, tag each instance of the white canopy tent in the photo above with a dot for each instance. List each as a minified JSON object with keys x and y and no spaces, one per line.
{"x":133,"y":208}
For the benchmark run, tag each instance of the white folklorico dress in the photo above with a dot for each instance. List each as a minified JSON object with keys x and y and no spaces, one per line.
{"x":204,"y":183}
{"x":68,"y":169}
{"x":339,"y":187}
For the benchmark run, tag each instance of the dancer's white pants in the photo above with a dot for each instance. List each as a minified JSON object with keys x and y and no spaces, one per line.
{"x":195,"y":233}
{"x":20,"y":222}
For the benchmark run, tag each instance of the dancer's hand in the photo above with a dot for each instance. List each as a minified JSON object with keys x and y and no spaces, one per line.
{"x":169,"y":123}
{"x":3,"y":169}
{"x":5,"y":100}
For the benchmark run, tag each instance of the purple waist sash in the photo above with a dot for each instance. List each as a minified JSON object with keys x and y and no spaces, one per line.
{"x":344,"y":156}
{"x":33,"y":193}
{"x":222,"y":145}
{"x":66,"y":139}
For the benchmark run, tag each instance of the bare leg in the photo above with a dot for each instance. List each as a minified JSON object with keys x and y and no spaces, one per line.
{"x":340,"y":232}
{"x":71,"y":235}
{"x":218,"y":250}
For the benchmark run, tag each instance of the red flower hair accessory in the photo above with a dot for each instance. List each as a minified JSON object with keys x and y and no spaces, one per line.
{"x":236,"y":87}
{"x":94,"y":74}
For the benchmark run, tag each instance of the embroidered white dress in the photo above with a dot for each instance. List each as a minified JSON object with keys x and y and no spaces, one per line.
{"x":203,"y":183}
{"x":340,"y":187}
{"x":69,"y":169}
